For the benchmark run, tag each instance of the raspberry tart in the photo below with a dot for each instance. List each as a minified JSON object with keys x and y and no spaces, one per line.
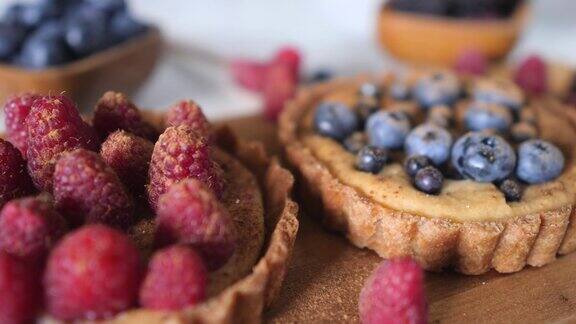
{"x":454,"y":172}
{"x":130,"y":217}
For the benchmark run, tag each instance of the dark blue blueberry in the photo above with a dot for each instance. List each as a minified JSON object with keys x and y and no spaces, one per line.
{"x":400,"y":90}
{"x":123,"y":26}
{"x":335,"y":120}
{"x":34,"y":14}
{"x":321,"y":75}
{"x":387,"y":129}
{"x":44,"y":48}
{"x":371,"y":159}
{"x":11,"y":37}
{"x":511,"y":189}
{"x":481,"y":116}
{"x":355,"y":142}
{"x":414,"y":163}
{"x":442,"y":116}
{"x":429,"y":180}
{"x":431,"y":7}
{"x":523,"y":131}
{"x":431,"y":141}
{"x":438,"y":88}
{"x":483,"y":157}
{"x":498,"y":91}
{"x":86,"y":34}
{"x":13,"y":15}
{"x":539,"y":161}
{"x":110,"y":6}
{"x":371,"y":90}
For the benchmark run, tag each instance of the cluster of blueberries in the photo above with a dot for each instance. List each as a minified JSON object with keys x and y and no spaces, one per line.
{"x":482,"y":154}
{"x":44,"y":33}
{"x":459,"y":8}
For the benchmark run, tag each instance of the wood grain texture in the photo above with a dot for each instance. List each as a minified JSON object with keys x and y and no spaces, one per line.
{"x":327,"y":273}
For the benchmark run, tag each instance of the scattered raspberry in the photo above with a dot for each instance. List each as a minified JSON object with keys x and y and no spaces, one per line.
{"x":93,"y":273}
{"x":248,"y":74}
{"x":129,"y":155}
{"x":532,"y":75}
{"x":189,"y":213}
{"x":291,"y":58}
{"x":29,"y":227}
{"x":87,"y":190}
{"x":471,"y":62}
{"x":54,"y":126}
{"x":394,"y":293}
{"x":176,"y":278}
{"x":188,"y":113}
{"x":14,"y":179}
{"x":16,"y":110}
{"x":19,"y":286}
{"x":115,"y":111}
{"x":279,"y":87}
{"x":182,"y":152}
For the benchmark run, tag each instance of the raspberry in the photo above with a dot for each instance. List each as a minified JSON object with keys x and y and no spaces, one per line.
{"x":87,"y":190}
{"x":129,"y":156}
{"x":532,"y":75}
{"x":54,"y":126}
{"x":279,"y":87}
{"x":16,"y":110}
{"x":14,"y":179}
{"x":176,"y":278}
{"x":188,"y":113}
{"x":93,"y":273}
{"x":189,"y":213}
{"x":182,"y":152}
{"x":291,"y":58}
{"x":472,"y":62}
{"x":248,"y":74}
{"x":29,"y":227}
{"x":115,"y":111}
{"x":19,"y":288}
{"x":394,"y":293}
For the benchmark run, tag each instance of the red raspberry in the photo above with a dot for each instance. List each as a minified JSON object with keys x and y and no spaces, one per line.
{"x":532,"y":75}
{"x":88,"y":190}
{"x":180,"y":153}
{"x":14,"y":179}
{"x":19,"y":286}
{"x":472,"y":62}
{"x":176,"y":278}
{"x":129,"y":155}
{"x":290,"y":57}
{"x":279,"y":87}
{"x":16,"y":110}
{"x":115,"y":111}
{"x":93,"y":273}
{"x":189,"y":213}
{"x":394,"y":293}
{"x":54,"y":126}
{"x":188,"y":113}
{"x":248,"y":74}
{"x":29,"y":227}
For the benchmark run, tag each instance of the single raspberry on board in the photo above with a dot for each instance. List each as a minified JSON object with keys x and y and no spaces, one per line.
{"x":182,"y":152}
{"x":87,"y":190}
{"x":129,"y":155}
{"x":115,"y":111}
{"x":16,"y":110}
{"x":394,"y":293}
{"x":29,"y":227}
{"x":14,"y":179}
{"x":471,"y":62}
{"x":19,"y":287}
{"x":187,"y":112}
{"x":249,"y":74}
{"x":176,"y":278}
{"x":532,"y":75}
{"x":93,"y":273}
{"x":189,"y":213}
{"x":54,"y":126}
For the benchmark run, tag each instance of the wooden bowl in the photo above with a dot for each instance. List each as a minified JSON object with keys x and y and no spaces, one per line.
{"x":123,"y":67}
{"x":431,"y":40}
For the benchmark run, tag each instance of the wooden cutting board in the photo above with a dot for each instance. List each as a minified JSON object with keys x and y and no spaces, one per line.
{"x":327,"y":273}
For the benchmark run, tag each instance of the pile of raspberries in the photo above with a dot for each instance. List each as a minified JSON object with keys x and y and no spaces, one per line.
{"x":68,"y":191}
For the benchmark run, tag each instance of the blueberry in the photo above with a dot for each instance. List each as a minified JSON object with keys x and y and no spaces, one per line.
{"x":13,"y":15}
{"x":355,"y":142}
{"x":371,"y":159}
{"x":539,"y":161}
{"x":110,"y":6}
{"x":335,"y":120}
{"x":387,"y":129}
{"x":481,"y":116}
{"x":123,"y":26}
{"x":429,"y":180}
{"x":11,"y":37}
{"x":320,"y":75}
{"x":400,"y":90}
{"x":34,"y":14}
{"x":498,"y":91}
{"x":431,"y":141}
{"x":438,"y":88}
{"x":441,"y":116}
{"x":370,"y":90}
{"x":414,"y":163}
{"x":46,"y":47}
{"x":483,"y":157}
{"x":86,"y":34}
{"x":433,"y":7}
{"x":523,"y":131}
{"x":511,"y":189}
